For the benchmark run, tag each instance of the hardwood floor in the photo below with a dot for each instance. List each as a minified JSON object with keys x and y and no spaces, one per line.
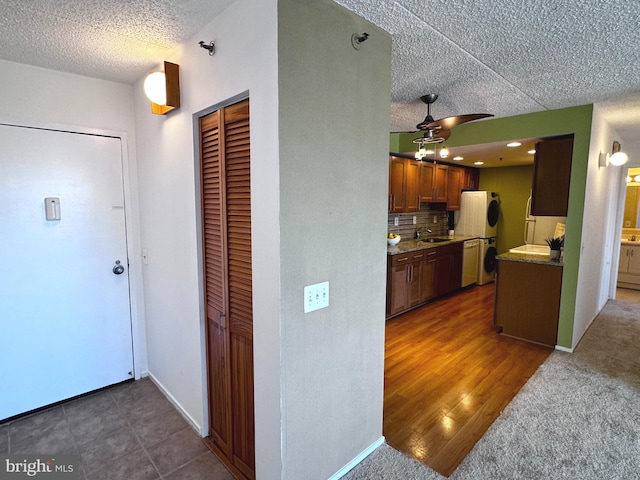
{"x":448,"y":375}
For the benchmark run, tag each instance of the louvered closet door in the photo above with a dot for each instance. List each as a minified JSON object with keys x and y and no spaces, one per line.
{"x":227,"y":252}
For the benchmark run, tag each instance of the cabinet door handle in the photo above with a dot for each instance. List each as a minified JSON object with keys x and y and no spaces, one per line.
{"x":418,"y":197}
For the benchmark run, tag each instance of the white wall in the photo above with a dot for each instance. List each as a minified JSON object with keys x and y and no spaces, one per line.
{"x":245,"y":60}
{"x":599,"y":235}
{"x":334,"y":123}
{"x":35,"y":96}
{"x":319,"y":141}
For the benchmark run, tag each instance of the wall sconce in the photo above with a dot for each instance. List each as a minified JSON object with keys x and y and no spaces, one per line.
{"x":616,"y":158}
{"x":163,"y":89}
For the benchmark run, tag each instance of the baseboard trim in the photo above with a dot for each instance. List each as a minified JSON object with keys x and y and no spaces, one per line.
{"x":176,"y":404}
{"x":564,"y":349}
{"x":364,"y":454}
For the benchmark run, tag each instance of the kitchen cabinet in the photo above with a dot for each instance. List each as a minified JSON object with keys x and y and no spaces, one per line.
{"x":428,"y":290}
{"x":455,"y":176}
{"x":471,"y":179}
{"x":433,"y":182}
{"x":551,"y":177}
{"x":416,"y":277}
{"x":527,"y":302}
{"x":629,"y":267}
{"x":404,"y":281}
{"x":404,"y":178}
{"x":448,"y":268}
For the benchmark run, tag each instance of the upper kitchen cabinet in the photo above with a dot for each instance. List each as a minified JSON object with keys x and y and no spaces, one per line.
{"x":471,"y":179}
{"x":433,"y":182}
{"x":404,"y":177}
{"x":551,"y":177}
{"x":455,"y":176}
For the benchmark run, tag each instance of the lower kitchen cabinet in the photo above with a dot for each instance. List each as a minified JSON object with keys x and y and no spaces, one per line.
{"x":448,"y":269}
{"x":404,"y":282}
{"x":416,"y":277}
{"x":527,"y":303}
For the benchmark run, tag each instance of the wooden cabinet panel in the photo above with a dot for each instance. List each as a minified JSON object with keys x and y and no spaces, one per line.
{"x":404,"y":185}
{"x":440,"y":183}
{"x":397,"y":168}
{"x":528,"y":300}
{"x":428,"y":290}
{"x":454,"y":187}
{"x":551,"y":177}
{"x":471,"y":179}
{"x":426,"y":184}
{"x":412,"y":181}
{"x":448,"y":268}
{"x":629,"y":260}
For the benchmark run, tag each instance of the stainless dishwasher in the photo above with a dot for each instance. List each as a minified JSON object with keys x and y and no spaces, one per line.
{"x":470,"y":254}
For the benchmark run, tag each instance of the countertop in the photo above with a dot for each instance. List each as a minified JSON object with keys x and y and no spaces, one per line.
{"x":406,"y":246}
{"x":626,"y":241}
{"x":529,"y":258}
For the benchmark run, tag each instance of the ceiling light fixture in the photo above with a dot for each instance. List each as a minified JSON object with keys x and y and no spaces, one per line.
{"x":628,"y":179}
{"x":163,"y":89}
{"x":444,"y":152}
{"x":636,"y":179}
{"x":478,"y":163}
{"x":531,"y":152}
{"x":513,"y":144}
{"x":458,"y":158}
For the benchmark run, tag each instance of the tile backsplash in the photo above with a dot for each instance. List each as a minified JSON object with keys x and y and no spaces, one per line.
{"x":434,"y":220}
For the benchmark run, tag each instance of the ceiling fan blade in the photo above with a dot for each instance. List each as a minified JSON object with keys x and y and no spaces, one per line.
{"x":450,"y":122}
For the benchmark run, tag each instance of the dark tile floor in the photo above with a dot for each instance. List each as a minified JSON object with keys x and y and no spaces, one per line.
{"x":129,"y":432}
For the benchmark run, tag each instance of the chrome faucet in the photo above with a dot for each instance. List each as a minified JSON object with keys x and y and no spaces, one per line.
{"x":419,"y":232}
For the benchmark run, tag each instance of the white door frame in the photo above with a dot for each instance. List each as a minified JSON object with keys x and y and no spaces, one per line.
{"x":136,"y":292}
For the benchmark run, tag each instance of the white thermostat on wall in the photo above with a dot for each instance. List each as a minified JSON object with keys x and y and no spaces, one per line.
{"x":52,"y":208}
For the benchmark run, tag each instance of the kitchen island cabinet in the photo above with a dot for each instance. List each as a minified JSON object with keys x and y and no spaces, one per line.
{"x":527,"y":302}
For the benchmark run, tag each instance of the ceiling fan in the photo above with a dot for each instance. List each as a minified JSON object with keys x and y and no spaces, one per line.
{"x":437,"y":131}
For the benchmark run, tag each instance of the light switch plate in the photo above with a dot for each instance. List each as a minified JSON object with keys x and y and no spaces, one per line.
{"x":316,"y":296}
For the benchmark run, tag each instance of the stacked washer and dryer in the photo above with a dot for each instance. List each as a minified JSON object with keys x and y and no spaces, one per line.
{"x":478,"y":217}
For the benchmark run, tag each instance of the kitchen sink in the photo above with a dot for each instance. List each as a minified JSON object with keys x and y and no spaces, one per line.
{"x":434,"y":240}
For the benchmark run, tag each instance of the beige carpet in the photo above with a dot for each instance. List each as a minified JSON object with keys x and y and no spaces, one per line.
{"x":578,"y":417}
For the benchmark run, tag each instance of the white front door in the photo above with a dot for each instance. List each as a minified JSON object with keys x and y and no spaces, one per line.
{"x":65,"y":322}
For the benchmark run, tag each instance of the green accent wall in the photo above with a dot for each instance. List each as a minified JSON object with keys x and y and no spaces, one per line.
{"x":514,"y":186}
{"x":575,"y":120}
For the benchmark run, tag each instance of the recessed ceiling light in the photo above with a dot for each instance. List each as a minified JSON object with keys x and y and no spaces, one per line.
{"x":478,"y":163}
{"x":531,"y":152}
{"x":514,"y":144}
{"x":458,"y":158}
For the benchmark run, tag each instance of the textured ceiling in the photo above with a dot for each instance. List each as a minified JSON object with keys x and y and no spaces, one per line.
{"x":502,"y":57}
{"x":512,"y":56}
{"x":117,"y":40}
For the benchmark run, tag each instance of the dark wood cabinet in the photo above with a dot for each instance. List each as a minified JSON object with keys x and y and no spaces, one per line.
{"x":428,"y":290}
{"x":471,"y":179}
{"x":404,"y":282}
{"x":440,"y":183}
{"x":426,"y":183}
{"x":551,"y":177}
{"x":416,"y":277}
{"x":404,"y":180}
{"x":527,"y":303}
{"x":448,"y":268}
{"x":455,"y":176}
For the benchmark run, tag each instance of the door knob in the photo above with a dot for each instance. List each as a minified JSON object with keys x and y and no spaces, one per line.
{"x":118,"y":269}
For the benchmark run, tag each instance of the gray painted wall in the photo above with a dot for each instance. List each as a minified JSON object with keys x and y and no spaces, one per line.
{"x":334,"y":123}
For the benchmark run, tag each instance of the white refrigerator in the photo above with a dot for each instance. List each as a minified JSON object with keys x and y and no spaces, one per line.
{"x":538,"y":229}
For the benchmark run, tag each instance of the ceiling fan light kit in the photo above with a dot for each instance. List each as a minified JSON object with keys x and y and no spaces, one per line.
{"x":437,"y":131}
